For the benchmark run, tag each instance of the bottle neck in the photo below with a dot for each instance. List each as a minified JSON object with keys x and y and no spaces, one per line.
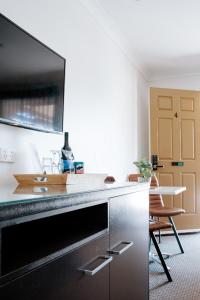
{"x":66,"y":140}
{"x":66,"y":150}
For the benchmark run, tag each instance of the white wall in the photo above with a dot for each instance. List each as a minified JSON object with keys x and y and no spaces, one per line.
{"x":191,"y":82}
{"x":102,"y":93}
{"x":143,"y":118}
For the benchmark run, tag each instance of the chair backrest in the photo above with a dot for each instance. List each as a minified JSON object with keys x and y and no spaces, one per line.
{"x":133,"y":177}
{"x":154,"y":200}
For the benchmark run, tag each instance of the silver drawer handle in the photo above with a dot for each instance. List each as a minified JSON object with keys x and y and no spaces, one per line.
{"x":107,"y":260}
{"x":119,"y":252}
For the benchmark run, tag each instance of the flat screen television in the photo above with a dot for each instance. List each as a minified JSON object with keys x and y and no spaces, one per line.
{"x":32,"y":80}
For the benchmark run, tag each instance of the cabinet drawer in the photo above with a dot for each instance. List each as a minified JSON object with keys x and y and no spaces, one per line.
{"x":26,"y":246}
{"x":64,"y":279}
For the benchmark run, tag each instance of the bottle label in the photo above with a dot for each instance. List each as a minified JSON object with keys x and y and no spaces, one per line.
{"x":68,"y":166}
{"x":67,"y":155}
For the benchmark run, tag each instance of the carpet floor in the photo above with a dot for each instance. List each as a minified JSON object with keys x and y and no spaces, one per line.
{"x":184,"y":269}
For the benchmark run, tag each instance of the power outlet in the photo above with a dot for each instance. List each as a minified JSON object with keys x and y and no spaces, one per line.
{"x":7,"y":155}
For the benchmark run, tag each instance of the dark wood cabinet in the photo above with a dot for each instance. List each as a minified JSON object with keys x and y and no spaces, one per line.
{"x":99,"y":251}
{"x":129,"y":247}
{"x":62,"y":279}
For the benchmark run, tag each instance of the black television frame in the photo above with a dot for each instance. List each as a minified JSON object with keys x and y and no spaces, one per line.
{"x":35,"y":128}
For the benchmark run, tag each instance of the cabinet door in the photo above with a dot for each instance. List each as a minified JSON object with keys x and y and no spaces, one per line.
{"x":129,"y":247}
{"x":62,"y":278}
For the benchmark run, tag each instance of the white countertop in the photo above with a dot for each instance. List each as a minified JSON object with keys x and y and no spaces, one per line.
{"x":167,"y":190}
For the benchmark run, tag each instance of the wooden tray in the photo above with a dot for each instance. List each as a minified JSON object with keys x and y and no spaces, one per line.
{"x":41,"y":179}
{"x":41,"y":190}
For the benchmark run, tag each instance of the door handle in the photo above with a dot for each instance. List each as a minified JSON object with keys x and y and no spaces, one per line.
{"x":92,"y":272}
{"x":126,"y":244}
{"x":154,"y":161}
{"x":155,"y":167}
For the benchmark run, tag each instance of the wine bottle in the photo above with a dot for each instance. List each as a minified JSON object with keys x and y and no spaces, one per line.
{"x":67,"y":155}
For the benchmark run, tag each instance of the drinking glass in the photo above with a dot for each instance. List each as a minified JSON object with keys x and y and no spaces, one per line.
{"x":56,"y":157}
{"x":47,"y":165}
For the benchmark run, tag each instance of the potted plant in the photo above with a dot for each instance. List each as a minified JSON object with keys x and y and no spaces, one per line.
{"x":145,"y":169}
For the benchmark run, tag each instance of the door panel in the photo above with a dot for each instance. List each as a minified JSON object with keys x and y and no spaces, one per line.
{"x":165,"y":103}
{"x":165,"y":138}
{"x":188,"y":180}
{"x":187,"y":104}
{"x":175,"y":132}
{"x":187,"y":139}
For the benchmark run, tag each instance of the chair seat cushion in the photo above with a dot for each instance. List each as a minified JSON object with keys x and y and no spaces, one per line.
{"x":165,"y":211}
{"x":153,"y":226}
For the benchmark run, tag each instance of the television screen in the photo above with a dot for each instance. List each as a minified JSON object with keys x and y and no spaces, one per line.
{"x":31,"y":81}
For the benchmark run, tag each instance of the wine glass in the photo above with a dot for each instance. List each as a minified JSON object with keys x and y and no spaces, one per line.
{"x":56,"y":157}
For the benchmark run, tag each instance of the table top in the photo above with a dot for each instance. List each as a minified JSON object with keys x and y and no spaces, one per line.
{"x":167,"y":190}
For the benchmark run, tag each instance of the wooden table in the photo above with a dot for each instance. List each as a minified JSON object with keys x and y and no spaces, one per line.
{"x":167,"y":190}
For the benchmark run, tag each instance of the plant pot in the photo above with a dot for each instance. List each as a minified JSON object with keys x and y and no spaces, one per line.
{"x":142,"y":179}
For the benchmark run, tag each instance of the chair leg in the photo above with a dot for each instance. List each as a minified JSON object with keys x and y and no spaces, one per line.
{"x":159,"y":236}
{"x":176,"y":234}
{"x":160,"y":256}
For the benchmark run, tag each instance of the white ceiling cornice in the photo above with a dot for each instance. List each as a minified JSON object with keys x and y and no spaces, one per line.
{"x":108,"y":25}
{"x":178,"y":76}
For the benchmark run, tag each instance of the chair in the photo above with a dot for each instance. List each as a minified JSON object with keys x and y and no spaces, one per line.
{"x":155,"y":226}
{"x":157,"y":208}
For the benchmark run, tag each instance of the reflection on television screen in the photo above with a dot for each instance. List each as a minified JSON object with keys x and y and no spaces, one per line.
{"x":31,"y":81}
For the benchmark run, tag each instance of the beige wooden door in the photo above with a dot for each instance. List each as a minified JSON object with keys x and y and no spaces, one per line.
{"x":175,"y":137}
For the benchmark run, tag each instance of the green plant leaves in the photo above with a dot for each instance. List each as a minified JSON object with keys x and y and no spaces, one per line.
{"x":145,"y":167}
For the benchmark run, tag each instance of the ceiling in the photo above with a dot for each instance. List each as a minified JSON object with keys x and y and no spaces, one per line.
{"x":163,"y":36}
